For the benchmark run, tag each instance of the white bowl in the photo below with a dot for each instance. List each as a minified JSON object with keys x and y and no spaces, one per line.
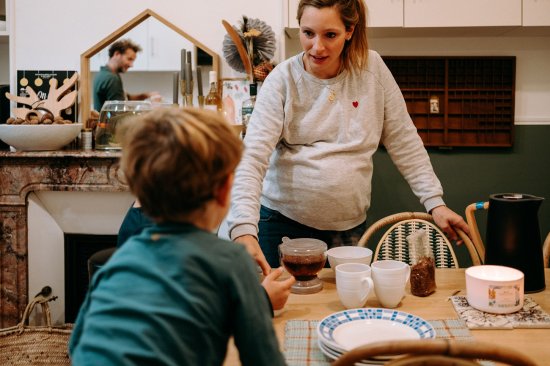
{"x":495,"y":289}
{"x":348,"y":254}
{"x":39,"y":137}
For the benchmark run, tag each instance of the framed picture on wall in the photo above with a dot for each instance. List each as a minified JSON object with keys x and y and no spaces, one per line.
{"x":234,"y":92}
{"x":40,"y":82}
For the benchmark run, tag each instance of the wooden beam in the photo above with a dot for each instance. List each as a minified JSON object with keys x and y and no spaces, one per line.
{"x":85,"y":74}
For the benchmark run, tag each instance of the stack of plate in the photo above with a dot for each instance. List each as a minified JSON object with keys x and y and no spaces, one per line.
{"x":345,"y":330}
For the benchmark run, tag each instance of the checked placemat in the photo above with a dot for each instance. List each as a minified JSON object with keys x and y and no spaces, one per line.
{"x":301,"y":340}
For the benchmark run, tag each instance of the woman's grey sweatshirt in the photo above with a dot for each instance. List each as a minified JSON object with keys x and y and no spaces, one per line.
{"x":310,"y":142}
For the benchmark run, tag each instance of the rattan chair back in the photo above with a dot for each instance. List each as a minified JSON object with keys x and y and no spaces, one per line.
{"x":393,"y":243}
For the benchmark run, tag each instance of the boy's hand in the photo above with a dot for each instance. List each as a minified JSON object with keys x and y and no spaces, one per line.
{"x":277,"y":291}
{"x":253,"y":248}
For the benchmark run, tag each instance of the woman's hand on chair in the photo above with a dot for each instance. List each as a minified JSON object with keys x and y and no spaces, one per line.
{"x":447,"y":220}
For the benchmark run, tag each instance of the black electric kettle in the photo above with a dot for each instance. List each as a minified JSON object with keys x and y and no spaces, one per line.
{"x":513,"y":236}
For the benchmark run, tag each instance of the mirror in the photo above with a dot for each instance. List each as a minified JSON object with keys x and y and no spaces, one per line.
{"x":155,"y":65}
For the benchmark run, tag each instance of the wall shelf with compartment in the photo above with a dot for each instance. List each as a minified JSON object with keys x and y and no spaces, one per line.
{"x":458,"y":101}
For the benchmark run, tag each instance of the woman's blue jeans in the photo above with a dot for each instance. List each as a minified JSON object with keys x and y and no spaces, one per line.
{"x":273,"y":226}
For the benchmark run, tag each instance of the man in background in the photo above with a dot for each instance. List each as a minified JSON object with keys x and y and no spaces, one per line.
{"x":108,"y":83}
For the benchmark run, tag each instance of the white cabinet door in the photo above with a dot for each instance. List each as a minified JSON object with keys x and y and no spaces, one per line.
{"x":385,"y":13}
{"x":164,"y":47}
{"x":291,"y":11}
{"x":161,"y":47}
{"x":139,"y":35}
{"x":536,"y":12}
{"x":462,"y":13}
{"x":381,"y":13}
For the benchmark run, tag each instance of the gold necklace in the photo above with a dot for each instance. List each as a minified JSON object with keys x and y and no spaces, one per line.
{"x":331,"y":95}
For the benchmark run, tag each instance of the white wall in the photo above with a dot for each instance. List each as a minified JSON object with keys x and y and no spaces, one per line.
{"x":52,"y":34}
{"x":62,"y":29}
{"x":50,"y":215}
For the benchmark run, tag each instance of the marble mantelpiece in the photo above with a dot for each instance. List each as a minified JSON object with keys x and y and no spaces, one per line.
{"x":25,"y":172}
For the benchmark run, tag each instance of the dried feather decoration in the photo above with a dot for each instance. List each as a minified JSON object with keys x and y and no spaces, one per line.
{"x":259,"y":41}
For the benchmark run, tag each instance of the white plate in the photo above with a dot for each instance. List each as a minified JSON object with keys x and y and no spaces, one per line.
{"x":330,"y":353}
{"x":373,"y":359}
{"x":355,"y":327}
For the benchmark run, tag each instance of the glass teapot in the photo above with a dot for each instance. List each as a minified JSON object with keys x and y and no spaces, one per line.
{"x":113,"y":113}
{"x":304,"y":258}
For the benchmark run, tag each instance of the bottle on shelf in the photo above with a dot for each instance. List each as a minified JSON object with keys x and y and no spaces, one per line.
{"x":248,"y":106}
{"x":213,"y":101}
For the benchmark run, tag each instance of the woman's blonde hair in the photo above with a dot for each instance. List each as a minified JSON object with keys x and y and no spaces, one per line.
{"x":174,"y":160}
{"x":353,"y":14}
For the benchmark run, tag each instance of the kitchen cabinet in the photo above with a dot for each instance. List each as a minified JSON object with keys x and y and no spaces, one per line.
{"x":381,"y":13}
{"x":164,"y":47}
{"x":161,"y":47}
{"x":384,"y":13}
{"x":290,"y":13}
{"x":463,"y":13}
{"x":137,"y":35}
{"x":536,"y":12}
{"x":445,"y":13}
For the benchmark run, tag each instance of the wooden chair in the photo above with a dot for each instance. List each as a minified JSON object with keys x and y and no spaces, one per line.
{"x":394,"y":245}
{"x":546,"y":251}
{"x":472,"y":225}
{"x":435,"y":352}
{"x":476,"y":237}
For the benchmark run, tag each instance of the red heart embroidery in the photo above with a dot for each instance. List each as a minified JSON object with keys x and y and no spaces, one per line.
{"x":355,"y":104}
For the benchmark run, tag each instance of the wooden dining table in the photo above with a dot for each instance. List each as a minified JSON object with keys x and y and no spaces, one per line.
{"x":531,"y":341}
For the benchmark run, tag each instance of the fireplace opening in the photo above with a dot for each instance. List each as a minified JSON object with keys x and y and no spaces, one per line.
{"x":78,"y":248}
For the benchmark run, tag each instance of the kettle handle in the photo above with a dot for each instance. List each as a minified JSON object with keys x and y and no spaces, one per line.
{"x":472,"y":224}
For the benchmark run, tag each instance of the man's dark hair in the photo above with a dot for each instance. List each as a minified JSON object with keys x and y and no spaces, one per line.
{"x":122,"y":45}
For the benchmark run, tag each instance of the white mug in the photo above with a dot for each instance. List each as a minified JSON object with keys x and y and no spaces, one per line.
{"x":390,"y":278}
{"x":353,"y":284}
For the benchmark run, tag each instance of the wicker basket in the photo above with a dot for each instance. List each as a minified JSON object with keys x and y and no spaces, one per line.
{"x":35,"y":345}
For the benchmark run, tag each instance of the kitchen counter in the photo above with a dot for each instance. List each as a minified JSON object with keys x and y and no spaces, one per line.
{"x":28,"y":171}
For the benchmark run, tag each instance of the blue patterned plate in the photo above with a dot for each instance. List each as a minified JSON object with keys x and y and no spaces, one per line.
{"x":334,"y":355}
{"x":351,"y":328}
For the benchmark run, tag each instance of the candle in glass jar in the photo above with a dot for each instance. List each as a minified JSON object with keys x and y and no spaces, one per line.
{"x":175,"y":87}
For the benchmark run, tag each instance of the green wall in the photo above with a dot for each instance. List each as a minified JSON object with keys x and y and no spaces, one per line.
{"x":471,"y":174}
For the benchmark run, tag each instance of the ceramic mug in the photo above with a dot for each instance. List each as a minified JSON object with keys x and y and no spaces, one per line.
{"x":353,"y":284}
{"x":390,"y":278}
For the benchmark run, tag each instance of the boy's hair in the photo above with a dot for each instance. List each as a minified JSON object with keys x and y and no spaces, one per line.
{"x":175,"y":159}
{"x":122,"y":45}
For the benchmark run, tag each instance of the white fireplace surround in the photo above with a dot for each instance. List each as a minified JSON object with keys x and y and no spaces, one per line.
{"x":50,"y":215}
